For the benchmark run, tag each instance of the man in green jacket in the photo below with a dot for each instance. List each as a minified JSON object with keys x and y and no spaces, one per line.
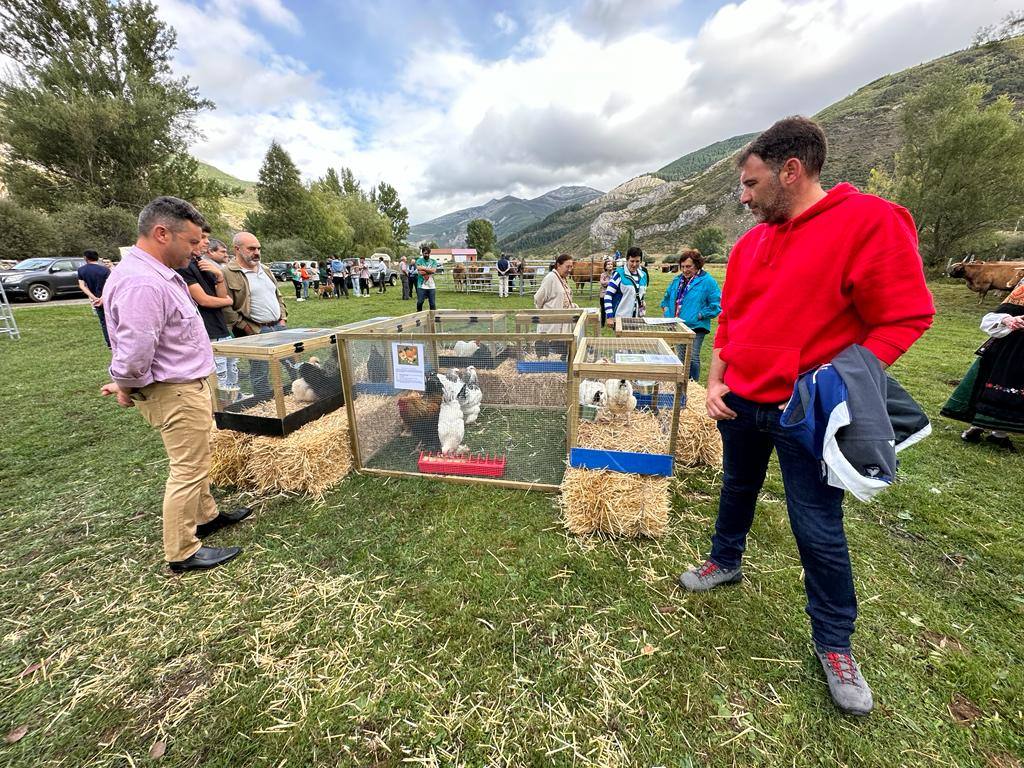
{"x":256,"y":303}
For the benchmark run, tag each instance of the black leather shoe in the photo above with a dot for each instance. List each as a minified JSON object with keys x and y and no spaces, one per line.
{"x":221,"y":520}
{"x":205,"y":558}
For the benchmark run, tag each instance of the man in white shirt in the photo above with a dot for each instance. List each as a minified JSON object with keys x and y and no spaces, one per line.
{"x":256,"y":303}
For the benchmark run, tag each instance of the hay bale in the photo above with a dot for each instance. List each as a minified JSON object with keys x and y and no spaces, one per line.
{"x":504,"y":385}
{"x":229,"y":454}
{"x":641,"y":432}
{"x":614,"y":503}
{"x":699,"y":443}
{"x":378,"y":422}
{"x":309,"y":460}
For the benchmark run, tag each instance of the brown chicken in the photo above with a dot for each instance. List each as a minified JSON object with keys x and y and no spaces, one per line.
{"x":419,"y":412}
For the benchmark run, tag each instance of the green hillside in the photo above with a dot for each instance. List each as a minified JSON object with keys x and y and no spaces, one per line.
{"x":700,"y":160}
{"x":863,"y":132}
{"x":234,"y":207}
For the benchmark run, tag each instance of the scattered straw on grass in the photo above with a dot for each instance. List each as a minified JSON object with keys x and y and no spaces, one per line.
{"x":641,"y":432}
{"x":309,"y":460}
{"x":614,"y":503}
{"x":699,"y":443}
{"x":229,"y":454}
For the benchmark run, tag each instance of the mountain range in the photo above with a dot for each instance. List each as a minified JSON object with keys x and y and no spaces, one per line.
{"x":665,"y":208}
{"x":508,"y":215}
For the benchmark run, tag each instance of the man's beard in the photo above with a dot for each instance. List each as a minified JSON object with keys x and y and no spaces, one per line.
{"x":773,"y":209}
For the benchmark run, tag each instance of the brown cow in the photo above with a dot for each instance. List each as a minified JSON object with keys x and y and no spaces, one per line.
{"x":459,"y":277}
{"x":587,"y":271}
{"x":982,"y":276}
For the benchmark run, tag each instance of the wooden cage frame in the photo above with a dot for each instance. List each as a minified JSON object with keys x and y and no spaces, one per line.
{"x":423,"y":327}
{"x":674,"y":374}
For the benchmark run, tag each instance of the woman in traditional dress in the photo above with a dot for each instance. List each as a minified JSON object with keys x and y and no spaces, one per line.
{"x":990,"y":397}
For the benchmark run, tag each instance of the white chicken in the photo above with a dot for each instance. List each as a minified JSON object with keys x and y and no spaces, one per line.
{"x":466,"y":348}
{"x":619,"y":394}
{"x":592,"y":392}
{"x":472,"y":396}
{"x":451,"y":427}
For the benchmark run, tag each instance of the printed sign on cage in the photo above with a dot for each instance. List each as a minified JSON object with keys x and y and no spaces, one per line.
{"x":409,"y":365}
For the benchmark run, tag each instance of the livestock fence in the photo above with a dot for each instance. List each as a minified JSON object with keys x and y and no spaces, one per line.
{"x":482,"y":276}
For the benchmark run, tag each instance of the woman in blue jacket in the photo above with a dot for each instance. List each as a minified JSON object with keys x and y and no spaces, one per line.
{"x":695,"y":298}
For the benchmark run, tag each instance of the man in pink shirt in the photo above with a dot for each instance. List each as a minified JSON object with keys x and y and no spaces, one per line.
{"x":161,"y":359}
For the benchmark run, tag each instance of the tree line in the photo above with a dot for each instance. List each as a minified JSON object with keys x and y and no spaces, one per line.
{"x":94,"y":124}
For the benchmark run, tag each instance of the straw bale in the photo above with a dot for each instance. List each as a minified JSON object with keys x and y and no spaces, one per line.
{"x":699,"y":443}
{"x":504,"y":385}
{"x":229,"y":453}
{"x":310,"y":460}
{"x":614,"y":503}
{"x":641,"y":432}
{"x":377,"y":423}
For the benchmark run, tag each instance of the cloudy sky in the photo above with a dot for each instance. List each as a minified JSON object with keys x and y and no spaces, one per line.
{"x":458,"y":102}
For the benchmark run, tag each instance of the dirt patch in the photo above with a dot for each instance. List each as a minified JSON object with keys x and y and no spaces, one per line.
{"x":940,"y":642}
{"x":963,"y":710}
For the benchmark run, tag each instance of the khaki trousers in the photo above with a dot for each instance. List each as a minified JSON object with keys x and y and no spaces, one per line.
{"x":183,"y":414}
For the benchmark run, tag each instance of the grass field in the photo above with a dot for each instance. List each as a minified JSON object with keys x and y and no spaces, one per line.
{"x":411,"y":622}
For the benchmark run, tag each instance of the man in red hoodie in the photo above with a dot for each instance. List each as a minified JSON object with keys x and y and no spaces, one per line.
{"x":821,"y":271}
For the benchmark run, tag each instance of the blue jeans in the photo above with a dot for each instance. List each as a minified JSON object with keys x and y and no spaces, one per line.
{"x":698,"y":342}
{"x":424,"y":294}
{"x":815,"y":515}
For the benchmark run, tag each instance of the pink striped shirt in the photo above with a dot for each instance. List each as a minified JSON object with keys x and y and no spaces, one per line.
{"x":156,"y":333}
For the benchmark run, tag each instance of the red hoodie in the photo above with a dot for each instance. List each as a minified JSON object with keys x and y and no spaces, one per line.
{"x":845,"y":271}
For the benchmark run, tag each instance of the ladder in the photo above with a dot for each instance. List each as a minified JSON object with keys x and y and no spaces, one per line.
{"x":8,"y":324}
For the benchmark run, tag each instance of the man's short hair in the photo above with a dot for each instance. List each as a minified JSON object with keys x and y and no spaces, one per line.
{"x":91,"y":255}
{"x":635,"y":252}
{"x":206,"y":229}
{"x":796,"y":136}
{"x":171,"y":212}
{"x":216,"y":245}
{"x":424,"y":249}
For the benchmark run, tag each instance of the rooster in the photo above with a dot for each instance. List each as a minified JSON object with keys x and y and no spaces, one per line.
{"x":419,"y":412}
{"x":451,"y":426}
{"x":472,"y":395}
{"x":619,"y":396}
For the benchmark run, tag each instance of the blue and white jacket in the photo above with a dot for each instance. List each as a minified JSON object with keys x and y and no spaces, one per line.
{"x":625,"y":294}
{"x":854,"y":419}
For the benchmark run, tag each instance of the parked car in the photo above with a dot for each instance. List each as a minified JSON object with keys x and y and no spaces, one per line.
{"x":41,"y":279}
{"x":380,"y":269}
{"x":280,"y":270}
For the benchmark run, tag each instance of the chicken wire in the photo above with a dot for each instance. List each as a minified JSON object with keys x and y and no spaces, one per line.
{"x":429,"y":405}
{"x":276,"y":395}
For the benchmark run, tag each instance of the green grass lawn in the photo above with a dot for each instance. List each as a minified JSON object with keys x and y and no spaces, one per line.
{"x":430,"y":624}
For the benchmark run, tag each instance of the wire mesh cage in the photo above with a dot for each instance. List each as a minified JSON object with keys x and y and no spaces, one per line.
{"x":273,"y":383}
{"x":625,"y":397}
{"x":446,"y":398}
{"x":673,"y":330}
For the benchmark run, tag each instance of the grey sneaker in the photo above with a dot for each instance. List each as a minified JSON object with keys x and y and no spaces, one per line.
{"x":708,"y":576}
{"x":849,"y":689}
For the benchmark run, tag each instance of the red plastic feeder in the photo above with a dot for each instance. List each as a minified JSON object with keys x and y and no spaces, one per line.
{"x":480,"y":464}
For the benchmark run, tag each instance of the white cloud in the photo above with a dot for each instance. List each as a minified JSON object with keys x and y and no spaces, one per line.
{"x":505,"y":23}
{"x":572,"y":103}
